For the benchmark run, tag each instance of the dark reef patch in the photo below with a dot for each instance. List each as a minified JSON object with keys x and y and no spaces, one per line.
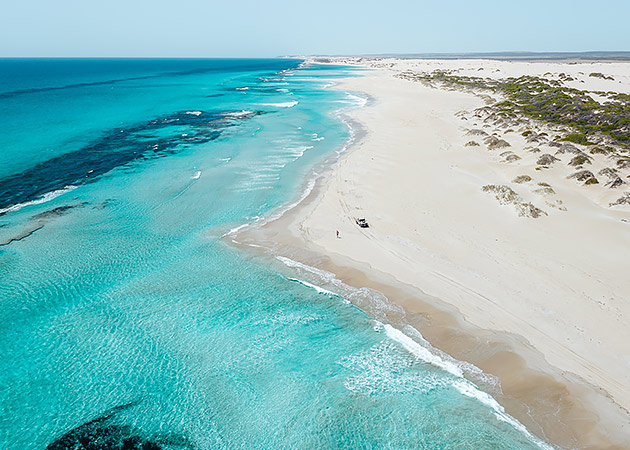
{"x":56,"y":212}
{"x":41,"y":219}
{"x":23,"y":235}
{"x":118,"y":147}
{"x":107,"y":433}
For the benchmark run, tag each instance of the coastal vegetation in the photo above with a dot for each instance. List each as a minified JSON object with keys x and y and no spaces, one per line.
{"x":563,"y":125}
{"x":506,"y":196}
{"x":600,"y":75}
{"x":585,"y":176}
{"x":522,"y":179}
{"x":587,"y":121}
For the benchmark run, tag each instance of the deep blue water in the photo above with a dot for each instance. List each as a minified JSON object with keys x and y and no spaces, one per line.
{"x":127,"y":322}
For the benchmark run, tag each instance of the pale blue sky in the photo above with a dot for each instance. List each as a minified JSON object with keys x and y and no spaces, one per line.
{"x":240,"y":28}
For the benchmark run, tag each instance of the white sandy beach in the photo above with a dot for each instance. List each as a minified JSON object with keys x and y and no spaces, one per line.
{"x":558,"y":285}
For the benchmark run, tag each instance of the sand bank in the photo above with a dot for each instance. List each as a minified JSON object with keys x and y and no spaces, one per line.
{"x":541,"y":303}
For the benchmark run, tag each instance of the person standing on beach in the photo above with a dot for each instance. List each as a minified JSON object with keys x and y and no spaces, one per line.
{"x":337,"y":234}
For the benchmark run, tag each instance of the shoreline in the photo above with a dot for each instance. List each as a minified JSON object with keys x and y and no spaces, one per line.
{"x":555,"y":404}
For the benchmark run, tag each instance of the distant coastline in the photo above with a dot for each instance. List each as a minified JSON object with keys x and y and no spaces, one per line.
{"x":505,"y":56}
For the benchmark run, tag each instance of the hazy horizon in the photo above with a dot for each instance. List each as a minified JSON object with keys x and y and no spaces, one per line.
{"x":197,"y":29}
{"x":506,"y":55}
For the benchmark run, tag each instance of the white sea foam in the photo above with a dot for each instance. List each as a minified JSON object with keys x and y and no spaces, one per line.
{"x":235,"y":230}
{"x":291,"y":319}
{"x":280,"y":212}
{"x":464,"y":386}
{"x":298,"y":152}
{"x":385,"y":368}
{"x":378,"y":304}
{"x":242,"y":88}
{"x":422,"y":351}
{"x":282,"y":105}
{"x":319,"y":289}
{"x":48,"y":196}
{"x":323,"y":274}
{"x":253,"y":188}
{"x":237,"y":114}
{"x":194,"y":113}
{"x":355,"y":100}
{"x":468,"y":389}
{"x":282,"y":90}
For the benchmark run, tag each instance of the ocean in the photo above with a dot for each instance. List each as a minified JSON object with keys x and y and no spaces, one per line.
{"x":128,"y":322}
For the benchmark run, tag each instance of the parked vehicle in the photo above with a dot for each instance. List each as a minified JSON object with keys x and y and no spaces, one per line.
{"x":362,"y":223}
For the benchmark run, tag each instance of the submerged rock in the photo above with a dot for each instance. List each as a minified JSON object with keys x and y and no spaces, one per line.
{"x":104,"y":433}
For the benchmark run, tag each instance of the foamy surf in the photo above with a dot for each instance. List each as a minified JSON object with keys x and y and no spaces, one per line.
{"x":318,"y":289}
{"x":282,"y":105}
{"x":464,"y":386}
{"x":355,"y":100}
{"x":239,"y":114}
{"x":45,"y":198}
{"x":235,"y":230}
{"x":420,"y":352}
{"x":424,"y":353}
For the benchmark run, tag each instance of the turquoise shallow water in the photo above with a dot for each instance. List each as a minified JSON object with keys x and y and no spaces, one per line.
{"x":128,"y":323}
